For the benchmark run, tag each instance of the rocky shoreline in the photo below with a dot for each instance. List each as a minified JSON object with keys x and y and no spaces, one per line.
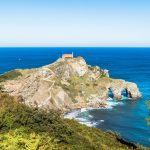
{"x":65,"y":85}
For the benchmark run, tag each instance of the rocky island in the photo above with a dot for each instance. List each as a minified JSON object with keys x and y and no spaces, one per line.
{"x":67,"y":84}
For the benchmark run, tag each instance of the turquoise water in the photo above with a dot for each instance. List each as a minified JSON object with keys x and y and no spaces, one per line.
{"x":132,"y":64}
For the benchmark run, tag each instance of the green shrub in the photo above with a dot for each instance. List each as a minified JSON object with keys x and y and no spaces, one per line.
{"x":10,"y":75}
{"x":26,"y":128}
{"x":20,"y":139}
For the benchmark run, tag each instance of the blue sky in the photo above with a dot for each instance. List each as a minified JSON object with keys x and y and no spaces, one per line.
{"x":75,"y":23}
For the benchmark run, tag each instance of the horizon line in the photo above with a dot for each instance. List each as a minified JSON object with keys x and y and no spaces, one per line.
{"x":74,"y":46}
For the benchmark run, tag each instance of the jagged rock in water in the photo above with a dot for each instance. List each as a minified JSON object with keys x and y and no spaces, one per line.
{"x":132,"y":90}
{"x":117,"y":87}
{"x":67,"y":84}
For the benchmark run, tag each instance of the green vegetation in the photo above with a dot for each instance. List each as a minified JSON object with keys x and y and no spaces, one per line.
{"x":25,"y":128}
{"x":21,"y":139}
{"x":80,"y":85}
{"x":85,"y":87}
{"x":10,"y":75}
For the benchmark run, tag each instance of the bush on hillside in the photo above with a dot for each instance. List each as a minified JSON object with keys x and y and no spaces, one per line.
{"x":10,"y":75}
{"x":25,"y":128}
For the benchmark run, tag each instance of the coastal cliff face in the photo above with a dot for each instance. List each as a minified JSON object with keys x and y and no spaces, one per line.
{"x":66,"y":84}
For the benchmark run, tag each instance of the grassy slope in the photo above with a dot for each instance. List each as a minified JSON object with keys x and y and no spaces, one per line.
{"x":27,"y":128}
{"x":10,"y":75}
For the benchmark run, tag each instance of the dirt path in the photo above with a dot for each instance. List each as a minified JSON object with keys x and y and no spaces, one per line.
{"x":48,"y":79}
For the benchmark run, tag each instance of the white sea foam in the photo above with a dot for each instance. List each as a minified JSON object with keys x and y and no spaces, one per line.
{"x":84,"y":117}
{"x":89,"y":123}
{"x":124,"y":97}
{"x":83,"y":109}
{"x":101,"y":120}
{"x":72,"y":115}
{"x":112,"y":103}
{"x":109,"y":98}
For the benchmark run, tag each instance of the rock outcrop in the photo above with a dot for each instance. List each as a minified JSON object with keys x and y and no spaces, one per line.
{"x":68,"y":84}
{"x":132,"y":90}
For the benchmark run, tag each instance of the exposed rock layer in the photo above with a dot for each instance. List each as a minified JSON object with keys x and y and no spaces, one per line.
{"x":68,"y":84}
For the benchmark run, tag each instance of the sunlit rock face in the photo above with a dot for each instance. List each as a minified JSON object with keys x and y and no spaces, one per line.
{"x":68,"y":83}
{"x":132,"y":90}
{"x":118,"y":86}
{"x":78,"y":66}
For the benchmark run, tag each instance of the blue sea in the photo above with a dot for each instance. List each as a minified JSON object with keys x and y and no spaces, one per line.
{"x":126,"y":117}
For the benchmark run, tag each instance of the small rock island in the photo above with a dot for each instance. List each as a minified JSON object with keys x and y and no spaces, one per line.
{"x":67,"y":84}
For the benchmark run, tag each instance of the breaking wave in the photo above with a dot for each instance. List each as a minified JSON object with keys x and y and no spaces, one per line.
{"x":83,"y":115}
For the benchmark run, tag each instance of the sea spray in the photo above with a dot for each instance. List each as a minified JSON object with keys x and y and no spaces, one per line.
{"x":83,"y":115}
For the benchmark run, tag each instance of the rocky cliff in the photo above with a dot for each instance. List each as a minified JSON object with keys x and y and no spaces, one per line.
{"x":66,"y":84}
